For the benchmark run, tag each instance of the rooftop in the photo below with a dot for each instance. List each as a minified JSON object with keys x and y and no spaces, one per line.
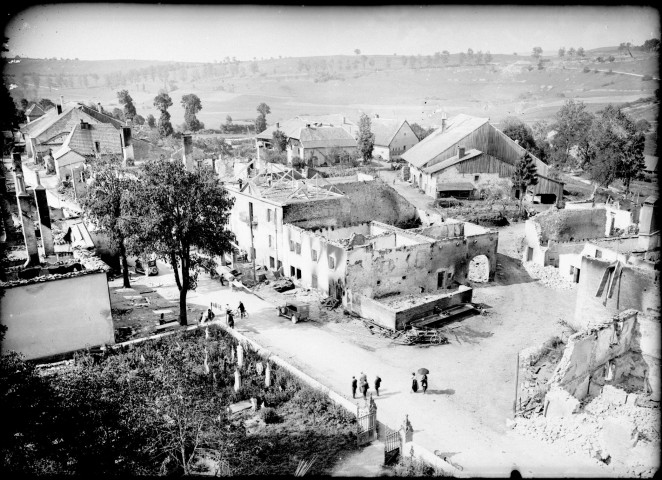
{"x":385,"y":129}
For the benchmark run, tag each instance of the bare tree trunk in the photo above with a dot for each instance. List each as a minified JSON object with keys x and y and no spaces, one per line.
{"x":183,"y":291}
{"x":125,"y":265}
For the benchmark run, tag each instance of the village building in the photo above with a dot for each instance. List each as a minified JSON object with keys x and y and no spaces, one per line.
{"x":50,"y":131}
{"x":392,"y":138}
{"x":33,"y":112}
{"x":56,"y":297}
{"x":311,"y":138}
{"x":468,"y":153}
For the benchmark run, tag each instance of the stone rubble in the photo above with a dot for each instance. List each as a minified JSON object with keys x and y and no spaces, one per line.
{"x":548,"y":276}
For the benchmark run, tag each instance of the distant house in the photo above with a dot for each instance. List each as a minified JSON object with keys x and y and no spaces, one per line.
{"x":33,"y":112}
{"x":50,"y":131}
{"x":311,"y":138}
{"x":392,"y":137}
{"x":467,"y":153}
{"x":86,"y":141}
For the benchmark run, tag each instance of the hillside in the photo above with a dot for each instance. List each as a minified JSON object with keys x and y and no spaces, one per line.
{"x":413,"y":87}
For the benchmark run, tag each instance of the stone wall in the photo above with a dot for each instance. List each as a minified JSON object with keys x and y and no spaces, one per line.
{"x":639,"y":290}
{"x":58,"y":316}
{"x":608,"y":354}
{"x":374,"y":200}
{"x":571,"y":225}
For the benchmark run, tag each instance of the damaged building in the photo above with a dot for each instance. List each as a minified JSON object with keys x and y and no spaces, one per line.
{"x":343,"y":240}
{"x":56,"y":297}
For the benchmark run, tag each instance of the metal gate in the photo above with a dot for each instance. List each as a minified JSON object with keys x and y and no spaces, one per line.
{"x":392,"y":447}
{"x":366,"y":423}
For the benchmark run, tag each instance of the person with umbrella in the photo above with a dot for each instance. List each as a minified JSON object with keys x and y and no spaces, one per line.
{"x":424,"y":378}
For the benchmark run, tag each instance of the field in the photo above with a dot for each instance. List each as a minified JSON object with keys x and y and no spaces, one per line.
{"x":349,"y":86}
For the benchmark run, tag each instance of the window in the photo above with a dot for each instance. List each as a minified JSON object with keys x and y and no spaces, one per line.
{"x":298,"y":249}
{"x":314,"y":255}
{"x":292,"y":271}
{"x":269,"y":240}
{"x":268,"y":214}
{"x":291,"y":245}
{"x":272,"y":262}
{"x":476,"y":178}
{"x":332,"y":262}
{"x":598,"y":253}
{"x":298,"y":274}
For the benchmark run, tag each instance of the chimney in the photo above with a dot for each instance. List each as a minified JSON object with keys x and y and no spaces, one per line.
{"x":443,"y":122}
{"x":23,"y":200}
{"x":188,"y":152}
{"x":460,"y":151}
{"x":84,"y":125}
{"x":62,"y":102}
{"x":277,"y":125}
{"x":59,"y":109}
{"x":44,"y":216}
{"x":127,"y":146}
{"x":99,"y":108}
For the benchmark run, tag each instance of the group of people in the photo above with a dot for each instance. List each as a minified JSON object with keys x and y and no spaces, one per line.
{"x":229,"y":314}
{"x":363,"y":382}
{"x":414,"y":383}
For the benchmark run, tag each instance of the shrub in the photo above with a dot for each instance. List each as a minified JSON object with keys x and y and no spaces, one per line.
{"x":269,"y":415}
{"x":414,"y":467}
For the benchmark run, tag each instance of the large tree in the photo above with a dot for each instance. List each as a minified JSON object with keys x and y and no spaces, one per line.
{"x":129,"y":108}
{"x":102,"y":204}
{"x":519,"y":131}
{"x":572,"y":125}
{"x":261,"y":120}
{"x":192,"y":105}
{"x":616,"y":148}
{"x":279,"y":140}
{"x":264,"y":109}
{"x":366,"y":140}
{"x":524,"y":176}
{"x":171,"y":211}
{"x":162,"y":102}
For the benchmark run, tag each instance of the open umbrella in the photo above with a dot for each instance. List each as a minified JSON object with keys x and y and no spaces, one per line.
{"x":423,"y":371}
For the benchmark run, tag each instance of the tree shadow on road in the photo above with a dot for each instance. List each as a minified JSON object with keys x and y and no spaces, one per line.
{"x":448,"y":391}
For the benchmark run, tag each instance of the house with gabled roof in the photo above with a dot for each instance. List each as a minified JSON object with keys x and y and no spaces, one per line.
{"x":311,"y":137}
{"x":49,"y":131}
{"x":33,"y":112}
{"x":392,"y":137}
{"x":468,"y":153}
{"x":87,"y":141}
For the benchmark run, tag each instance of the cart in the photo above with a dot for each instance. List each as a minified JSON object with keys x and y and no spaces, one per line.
{"x":415,"y":335}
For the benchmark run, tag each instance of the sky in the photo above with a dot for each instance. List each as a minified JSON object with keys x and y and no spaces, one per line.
{"x":207,"y":33}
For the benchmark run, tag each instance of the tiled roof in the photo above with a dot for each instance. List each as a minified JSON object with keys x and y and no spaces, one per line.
{"x":52,"y":124}
{"x":34,"y":110}
{"x":292,"y":127}
{"x":82,"y":140}
{"x":326,"y":137}
{"x":452,"y":161}
{"x":385,"y":129}
{"x":439,"y":141}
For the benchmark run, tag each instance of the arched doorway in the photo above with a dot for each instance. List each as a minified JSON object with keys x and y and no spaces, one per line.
{"x":479,"y":269}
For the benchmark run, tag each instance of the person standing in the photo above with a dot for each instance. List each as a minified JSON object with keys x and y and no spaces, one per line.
{"x":242,"y":310}
{"x":354,"y":384}
{"x":424,"y":382}
{"x":364,"y":390}
{"x":378,"y":383}
{"x":363,"y":378}
{"x":229,"y":317}
{"x":414,"y":383}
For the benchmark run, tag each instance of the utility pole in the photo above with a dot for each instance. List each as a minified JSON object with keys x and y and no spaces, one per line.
{"x":250,"y":220}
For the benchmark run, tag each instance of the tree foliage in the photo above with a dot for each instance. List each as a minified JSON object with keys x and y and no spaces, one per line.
{"x":126,"y":100}
{"x":192,"y":105}
{"x":525,"y":175}
{"x":103,"y":204}
{"x":171,"y":211}
{"x":260,"y":123}
{"x":162,"y":102}
{"x":279,"y":140}
{"x":366,"y":140}
{"x":616,"y":148}
{"x":537,"y":52}
{"x":151,"y":121}
{"x":572,"y":124}
{"x":264,"y":109}
{"x":421,"y":132}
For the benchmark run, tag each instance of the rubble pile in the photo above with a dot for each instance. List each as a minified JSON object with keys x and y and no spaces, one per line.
{"x":548,"y":276}
{"x":591,"y":432}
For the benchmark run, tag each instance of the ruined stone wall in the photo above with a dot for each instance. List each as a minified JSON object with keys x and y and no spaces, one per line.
{"x":571,"y":225}
{"x":445,"y":230}
{"x":608,"y":354}
{"x":462,"y":295}
{"x":374,"y":200}
{"x":58,"y":316}
{"x":639,"y":290}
